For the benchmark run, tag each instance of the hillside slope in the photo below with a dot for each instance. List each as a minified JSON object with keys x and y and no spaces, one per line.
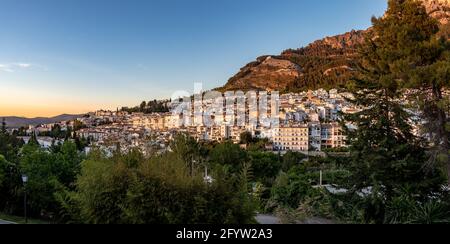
{"x":325,"y":63}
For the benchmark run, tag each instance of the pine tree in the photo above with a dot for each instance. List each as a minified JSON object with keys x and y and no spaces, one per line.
{"x":385,"y":154}
{"x":142,"y":106}
{"x":421,"y":62}
{"x":33,"y":140}
{"x":68,"y":134}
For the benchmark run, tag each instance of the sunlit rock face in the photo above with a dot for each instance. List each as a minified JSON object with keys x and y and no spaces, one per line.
{"x":324,"y":62}
{"x":438,"y":9}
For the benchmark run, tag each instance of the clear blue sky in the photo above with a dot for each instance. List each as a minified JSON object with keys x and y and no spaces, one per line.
{"x":77,"y":55}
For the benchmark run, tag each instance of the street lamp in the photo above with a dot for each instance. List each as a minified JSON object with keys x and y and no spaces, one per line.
{"x":25,"y":180}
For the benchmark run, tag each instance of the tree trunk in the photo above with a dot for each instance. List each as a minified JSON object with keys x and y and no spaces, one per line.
{"x":448,"y":173}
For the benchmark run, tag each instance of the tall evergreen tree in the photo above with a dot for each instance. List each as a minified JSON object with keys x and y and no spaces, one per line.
{"x":142,"y":106}
{"x":386,"y":156}
{"x":421,"y":61}
{"x":33,"y":139}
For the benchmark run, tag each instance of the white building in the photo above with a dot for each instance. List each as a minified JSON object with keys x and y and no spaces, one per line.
{"x":292,"y":138}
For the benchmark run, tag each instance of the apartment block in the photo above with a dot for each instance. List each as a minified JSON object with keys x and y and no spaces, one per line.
{"x":293,"y":138}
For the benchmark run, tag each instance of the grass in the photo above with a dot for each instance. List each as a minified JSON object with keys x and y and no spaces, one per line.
{"x":21,"y":220}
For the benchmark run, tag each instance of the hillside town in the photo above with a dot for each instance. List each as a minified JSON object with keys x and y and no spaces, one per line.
{"x":353,"y":128}
{"x":307,"y":122}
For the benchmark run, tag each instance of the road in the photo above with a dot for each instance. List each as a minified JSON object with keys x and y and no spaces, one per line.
{"x":4,"y":222}
{"x":317,"y":221}
{"x":267,"y":219}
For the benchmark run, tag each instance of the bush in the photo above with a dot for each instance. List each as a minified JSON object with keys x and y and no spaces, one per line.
{"x":229,"y":155}
{"x":292,"y":159}
{"x":404,"y":209}
{"x":290,"y":190}
{"x":157,"y":190}
{"x":49,"y":172}
{"x":266,"y":166}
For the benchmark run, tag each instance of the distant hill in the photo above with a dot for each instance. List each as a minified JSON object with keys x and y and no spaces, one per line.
{"x":326,"y":63}
{"x":16,"y":122}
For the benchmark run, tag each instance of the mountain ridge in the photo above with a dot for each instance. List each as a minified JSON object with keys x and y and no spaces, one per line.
{"x":325,"y":63}
{"x":17,"y":121}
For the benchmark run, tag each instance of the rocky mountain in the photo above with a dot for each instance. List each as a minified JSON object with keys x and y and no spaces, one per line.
{"x":324,"y":63}
{"x":438,"y":9}
{"x":16,"y":122}
{"x":267,"y":72}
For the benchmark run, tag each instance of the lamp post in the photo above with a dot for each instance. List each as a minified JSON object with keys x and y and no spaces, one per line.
{"x":321,"y":177}
{"x":25,"y":180}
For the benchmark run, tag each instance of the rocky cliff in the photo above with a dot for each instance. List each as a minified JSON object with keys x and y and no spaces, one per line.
{"x":266,"y":73}
{"x":438,"y":9}
{"x":323,"y":63}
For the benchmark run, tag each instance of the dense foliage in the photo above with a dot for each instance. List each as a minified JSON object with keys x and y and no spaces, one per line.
{"x":48,"y":171}
{"x":386,"y":156}
{"x":67,"y":187}
{"x":149,"y":107}
{"x":323,"y":66}
{"x":157,"y":190}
